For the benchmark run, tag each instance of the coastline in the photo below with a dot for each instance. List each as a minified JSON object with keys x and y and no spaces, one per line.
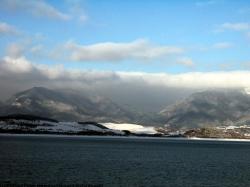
{"x":125,"y":137}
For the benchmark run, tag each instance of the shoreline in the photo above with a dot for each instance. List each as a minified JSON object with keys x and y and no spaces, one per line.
{"x":126,"y":137}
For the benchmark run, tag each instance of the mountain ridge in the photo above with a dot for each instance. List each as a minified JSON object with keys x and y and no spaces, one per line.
{"x":64,"y":106}
{"x":208,"y":108}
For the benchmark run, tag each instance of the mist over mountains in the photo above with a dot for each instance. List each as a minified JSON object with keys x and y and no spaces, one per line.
{"x":201,"y":109}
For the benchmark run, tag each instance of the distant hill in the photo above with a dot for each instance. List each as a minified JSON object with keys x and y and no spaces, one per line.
{"x":202,"y":109}
{"x":209,"y":108}
{"x":66,"y":106}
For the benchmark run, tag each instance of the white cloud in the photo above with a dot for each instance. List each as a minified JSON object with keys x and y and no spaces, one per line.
{"x":6,"y":29}
{"x":54,"y":72}
{"x":233,"y":79}
{"x":13,"y":67}
{"x":186,"y":61}
{"x":77,"y":11}
{"x":43,"y":9}
{"x":111,"y":51}
{"x":26,"y":46}
{"x":241,"y":26}
{"x":37,"y":49}
{"x":18,"y":65}
{"x":15,"y":49}
{"x":36,"y":8}
{"x":222,"y":45}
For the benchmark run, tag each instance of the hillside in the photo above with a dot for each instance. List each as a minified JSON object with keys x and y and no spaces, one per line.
{"x":209,"y":108}
{"x":66,"y":106}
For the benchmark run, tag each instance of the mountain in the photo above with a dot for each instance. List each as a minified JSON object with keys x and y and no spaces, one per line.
{"x":67,"y":106}
{"x":209,"y":108}
{"x":202,"y":109}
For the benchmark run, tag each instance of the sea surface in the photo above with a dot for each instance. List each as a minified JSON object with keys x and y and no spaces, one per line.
{"x":109,"y":161}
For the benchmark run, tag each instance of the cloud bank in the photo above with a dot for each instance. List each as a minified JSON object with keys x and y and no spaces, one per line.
{"x":19,"y":67}
{"x":148,"y":92}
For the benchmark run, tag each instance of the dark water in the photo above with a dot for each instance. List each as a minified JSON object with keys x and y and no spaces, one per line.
{"x":123,"y":161}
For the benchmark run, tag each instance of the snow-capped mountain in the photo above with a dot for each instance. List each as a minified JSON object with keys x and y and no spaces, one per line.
{"x":209,"y":108}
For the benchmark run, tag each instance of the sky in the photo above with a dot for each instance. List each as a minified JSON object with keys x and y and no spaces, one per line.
{"x":91,"y":44}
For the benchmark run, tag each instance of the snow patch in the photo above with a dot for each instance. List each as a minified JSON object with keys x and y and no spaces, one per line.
{"x":48,"y":126}
{"x":247,"y":91}
{"x":134,"y":128}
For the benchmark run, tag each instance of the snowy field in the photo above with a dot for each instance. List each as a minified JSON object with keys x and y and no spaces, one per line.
{"x":74,"y":127}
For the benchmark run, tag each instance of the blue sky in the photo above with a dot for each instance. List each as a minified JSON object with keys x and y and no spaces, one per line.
{"x":139,"y":36}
